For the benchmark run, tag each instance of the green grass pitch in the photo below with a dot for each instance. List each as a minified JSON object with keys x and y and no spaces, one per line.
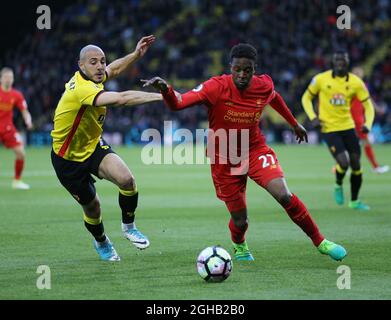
{"x":179,"y":212}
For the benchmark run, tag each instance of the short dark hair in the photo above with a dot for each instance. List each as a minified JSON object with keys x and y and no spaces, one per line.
{"x":244,"y":50}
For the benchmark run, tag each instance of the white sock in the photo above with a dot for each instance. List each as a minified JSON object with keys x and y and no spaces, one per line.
{"x":100,"y":244}
{"x":127,"y":226}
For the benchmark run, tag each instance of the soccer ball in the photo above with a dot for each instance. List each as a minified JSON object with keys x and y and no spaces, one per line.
{"x":214,"y":264}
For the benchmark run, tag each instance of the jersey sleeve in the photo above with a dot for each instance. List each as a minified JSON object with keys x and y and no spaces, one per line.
{"x":87,"y":93}
{"x":278,"y":104}
{"x":314,"y":86}
{"x":20,"y":102}
{"x":269,"y":91}
{"x":206,"y":93}
{"x":362,"y":93}
{"x":209,"y":91}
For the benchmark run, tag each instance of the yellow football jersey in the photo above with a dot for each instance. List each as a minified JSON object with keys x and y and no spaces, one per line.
{"x":77,"y":121}
{"x":335,"y":95}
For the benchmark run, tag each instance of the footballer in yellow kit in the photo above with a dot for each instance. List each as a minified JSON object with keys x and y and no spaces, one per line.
{"x":79,"y":151}
{"x":335,"y":90}
{"x":77,"y":120}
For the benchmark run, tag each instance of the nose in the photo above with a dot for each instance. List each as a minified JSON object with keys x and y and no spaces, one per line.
{"x":242,"y":74}
{"x":100,"y":66}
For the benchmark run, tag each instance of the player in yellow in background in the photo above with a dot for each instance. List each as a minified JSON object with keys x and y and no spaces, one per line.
{"x":79,"y":150}
{"x":335,"y":90}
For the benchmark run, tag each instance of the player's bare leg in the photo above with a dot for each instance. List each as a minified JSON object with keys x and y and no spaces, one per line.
{"x":301,"y":217}
{"x":93,"y":223}
{"x":238,"y":225}
{"x":371,"y":157}
{"x":17,"y":183}
{"x":114,"y":169}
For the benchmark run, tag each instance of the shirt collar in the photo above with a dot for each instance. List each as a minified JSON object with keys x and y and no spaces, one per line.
{"x":333,"y":75}
{"x":84,"y":76}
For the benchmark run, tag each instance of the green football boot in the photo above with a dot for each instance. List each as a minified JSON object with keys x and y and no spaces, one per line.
{"x":358,"y":205}
{"x":335,"y":251}
{"x":241,"y":252}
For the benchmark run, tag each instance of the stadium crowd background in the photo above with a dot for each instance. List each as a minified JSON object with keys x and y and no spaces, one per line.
{"x":294,"y":40}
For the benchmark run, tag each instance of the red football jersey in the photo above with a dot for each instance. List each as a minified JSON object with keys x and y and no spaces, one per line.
{"x":9,"y":99}
{"x":231,"y":108}
{"x":358,"y":112}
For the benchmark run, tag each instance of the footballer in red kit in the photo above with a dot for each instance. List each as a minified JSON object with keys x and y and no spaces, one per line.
{"x":235,"y":103}
{"x":358,"y":115}
{"x":9,"y":137}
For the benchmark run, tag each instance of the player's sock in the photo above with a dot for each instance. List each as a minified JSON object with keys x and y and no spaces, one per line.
{"x":128,"y":203}
{"x":355,"y":183}
{"x":339,"y":174}
{"x":95,"y":227}
{"x":126,"y":226}
{"x":237,"y":234}
{"x":300,"y":215}
{"x":19,"y":165}
{"x":371,"y":155}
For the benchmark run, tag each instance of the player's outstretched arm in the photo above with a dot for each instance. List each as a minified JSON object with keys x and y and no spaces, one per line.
{"x":118,"y":66}
{"x":173,"y":99}
{"x":126,"y":98}
{"x":27,"y":119}
{"x":278,"y":104}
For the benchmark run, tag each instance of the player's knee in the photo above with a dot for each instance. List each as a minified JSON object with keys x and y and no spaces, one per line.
{"x":127,"y":183}
{"x":20,"y":154}
{"x":284,"y":198}
{"x":355,"y":163}
{"x":343,"y":161}
{"x":344,"y":165}
{"x":93,"y":209}
{"x":355,"y":166}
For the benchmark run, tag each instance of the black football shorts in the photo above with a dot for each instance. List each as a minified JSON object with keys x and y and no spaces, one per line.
{"x":341,"y":141}
{"x":76,"y":176}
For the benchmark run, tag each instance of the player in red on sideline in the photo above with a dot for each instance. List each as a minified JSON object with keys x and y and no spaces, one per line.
{"x":358,"y":115}
{"x":236,"y":101}
{"x":9,"y":136}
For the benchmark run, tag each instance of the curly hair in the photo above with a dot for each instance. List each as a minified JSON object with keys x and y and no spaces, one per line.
{"x":244,"y":50}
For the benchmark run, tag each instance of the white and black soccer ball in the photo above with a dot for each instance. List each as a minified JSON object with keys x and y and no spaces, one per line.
{"x":214,"y":264}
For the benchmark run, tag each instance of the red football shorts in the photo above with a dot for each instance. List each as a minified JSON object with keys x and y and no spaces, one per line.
{"x":10,"y":137}
{"x":230,"y":181}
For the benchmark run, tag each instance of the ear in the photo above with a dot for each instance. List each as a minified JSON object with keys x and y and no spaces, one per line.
{"x":81,"y":65}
